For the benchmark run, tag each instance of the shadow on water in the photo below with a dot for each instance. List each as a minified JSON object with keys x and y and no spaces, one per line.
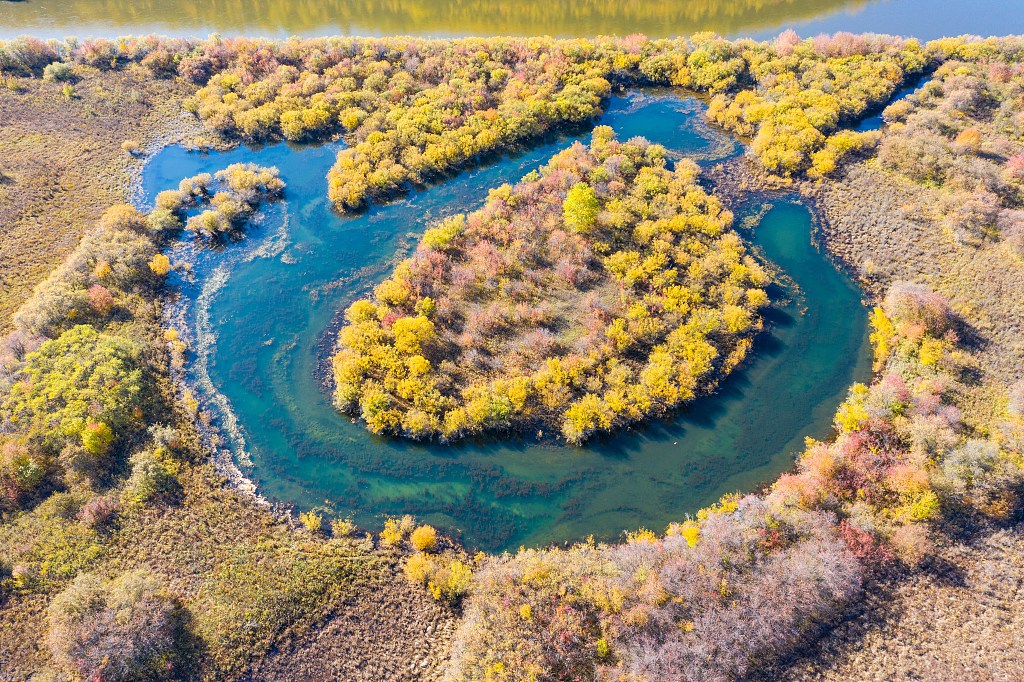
{"x":256,"y":313}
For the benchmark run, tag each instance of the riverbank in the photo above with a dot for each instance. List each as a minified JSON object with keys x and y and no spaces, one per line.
{"x":64,"y":162}
{"x":251,"y":583}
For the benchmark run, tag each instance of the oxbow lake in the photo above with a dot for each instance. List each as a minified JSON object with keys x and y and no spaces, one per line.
{"x":259,"y":314}
{"x":925,"y":19}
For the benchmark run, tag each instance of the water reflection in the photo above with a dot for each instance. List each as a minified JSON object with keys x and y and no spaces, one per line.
{"x":274,"y":18}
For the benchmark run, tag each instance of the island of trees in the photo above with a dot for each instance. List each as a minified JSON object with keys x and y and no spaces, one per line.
{"x":601,"y":290}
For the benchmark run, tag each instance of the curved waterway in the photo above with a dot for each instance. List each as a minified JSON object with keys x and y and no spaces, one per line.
{"x":260,"y":315}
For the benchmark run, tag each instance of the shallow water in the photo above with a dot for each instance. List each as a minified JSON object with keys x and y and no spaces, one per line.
{"x":565,"y":18}
{"x":874,"y":120}
{"x":270,"y":299}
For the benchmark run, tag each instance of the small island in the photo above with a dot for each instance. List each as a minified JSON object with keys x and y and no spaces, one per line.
{"x":603,"y":289}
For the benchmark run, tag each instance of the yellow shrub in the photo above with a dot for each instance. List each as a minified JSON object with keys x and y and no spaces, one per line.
{"x":931,"y":351}
{"x":419,"y":568}
{"x":392,"y":534}
{"x":451,"y":581}
{"x":312,"y":521}
{"x":160,"y":265}
{"x":424,"y":538}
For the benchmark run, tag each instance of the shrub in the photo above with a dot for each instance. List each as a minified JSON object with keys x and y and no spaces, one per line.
{"x":23,"y":470}
{"x":917,"y":304}
{"x":396,"y":530}
{"x":123,"y":217}
{"x":580,"y":208}
{"x":160,"y":265}
{"x":98,"y":511}
{"x":58,"y":72}
{"x":25,"y":56}
{"x":341,"y":528}
{"x":82,"y":377}
{"x":112,"y":630}
{"x":450,"y":581}
{"x":424,"y":538}
{"x":97,"y":438}
{"x":153,"y":478}
{"x":312,"y":521}
{"x":419,"y":568}
{"x":100,"y":300}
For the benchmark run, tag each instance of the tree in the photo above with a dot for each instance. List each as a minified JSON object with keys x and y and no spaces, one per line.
{"x":581,"y":208}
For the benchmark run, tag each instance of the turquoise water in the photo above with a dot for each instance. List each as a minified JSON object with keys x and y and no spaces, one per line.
{"x":271,"y":299}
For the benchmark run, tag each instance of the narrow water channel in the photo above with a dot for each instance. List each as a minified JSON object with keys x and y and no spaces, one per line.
{"x":266,"y":304}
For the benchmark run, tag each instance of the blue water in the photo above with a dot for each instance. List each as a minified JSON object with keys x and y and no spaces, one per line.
{"x":284,"y":284}
{"x":875,"y":121}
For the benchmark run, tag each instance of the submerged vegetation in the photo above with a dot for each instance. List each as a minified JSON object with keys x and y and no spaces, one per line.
{"x":599,"y":291}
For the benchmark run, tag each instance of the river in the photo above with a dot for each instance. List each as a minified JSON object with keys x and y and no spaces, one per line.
{"x":269,"y":301}
{"x":925,"y":19}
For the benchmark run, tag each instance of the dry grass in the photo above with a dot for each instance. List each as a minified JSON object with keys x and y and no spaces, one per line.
{"x":875,"y":222}
{"x":62,"y":164}
{"x":263,"y":599}
{"x":962,"y":618}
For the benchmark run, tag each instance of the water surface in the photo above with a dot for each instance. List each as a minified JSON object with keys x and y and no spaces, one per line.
{"x":565,"y":18}
{"x":270,"y":299}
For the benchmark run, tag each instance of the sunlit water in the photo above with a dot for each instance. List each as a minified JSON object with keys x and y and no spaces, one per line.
{"x":565,"y":18}
{"x":270,"y":301}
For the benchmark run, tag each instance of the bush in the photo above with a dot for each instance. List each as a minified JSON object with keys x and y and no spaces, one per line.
{"x":98,"y":511}
{"x":112,"y":630}
{"x":153,"y":478}
{"x":424,"y":538}
{"x":916,"y":304}
{"x":83,"y":382}
{"x":25,"y":56}
{"x":23,"y":470}
{"x":58,"y":72}
{"x":313,"y":522}
{"x":396,"y":530}
{"x":160,"y":265}
{"x":450,"y":581}
{"x":123,"y":217}
{"x":419,"y":568}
